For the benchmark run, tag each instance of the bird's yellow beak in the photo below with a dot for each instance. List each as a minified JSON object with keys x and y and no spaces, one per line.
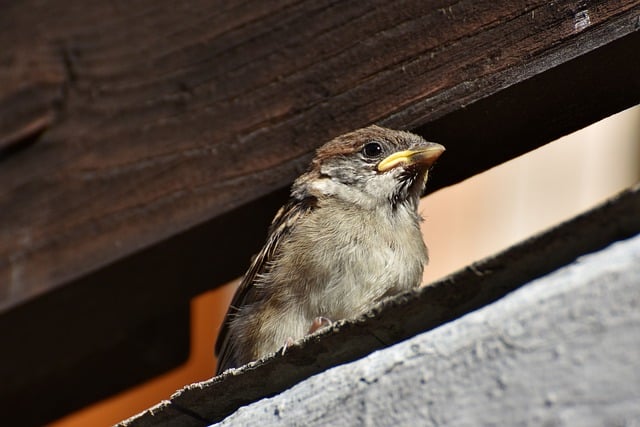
{"x":424,"y":156}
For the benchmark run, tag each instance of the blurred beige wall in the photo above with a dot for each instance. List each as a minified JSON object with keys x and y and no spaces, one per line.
{"x":517,"y":199}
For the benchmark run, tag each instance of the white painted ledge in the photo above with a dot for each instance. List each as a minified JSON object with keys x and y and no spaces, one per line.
{"x":563,"y":350}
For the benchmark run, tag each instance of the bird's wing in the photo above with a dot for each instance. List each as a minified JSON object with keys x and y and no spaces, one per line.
{"x":282,"y":224}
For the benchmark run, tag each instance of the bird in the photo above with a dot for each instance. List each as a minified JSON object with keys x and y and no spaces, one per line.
{"x":348,"y":237}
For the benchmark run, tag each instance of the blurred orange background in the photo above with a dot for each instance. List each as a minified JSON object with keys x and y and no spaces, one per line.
{"x":463,"y":223}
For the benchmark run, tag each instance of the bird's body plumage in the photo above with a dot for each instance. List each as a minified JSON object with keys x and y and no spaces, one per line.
{"x":348,"y":237}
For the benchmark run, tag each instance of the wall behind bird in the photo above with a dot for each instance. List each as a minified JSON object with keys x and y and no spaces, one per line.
{"x":493,"y":210}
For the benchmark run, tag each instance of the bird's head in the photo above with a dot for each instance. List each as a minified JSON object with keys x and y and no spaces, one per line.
{"x":371,"y":167}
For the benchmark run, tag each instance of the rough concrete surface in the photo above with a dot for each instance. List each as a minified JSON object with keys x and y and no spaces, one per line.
{"x":401,"y":317}
{"x":561,"y":351}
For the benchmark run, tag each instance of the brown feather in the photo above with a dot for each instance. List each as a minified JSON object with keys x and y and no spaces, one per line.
{"x":282,"y":224}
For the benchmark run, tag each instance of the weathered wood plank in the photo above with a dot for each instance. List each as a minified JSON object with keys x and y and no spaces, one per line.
{"x":402,"y":317}
{"x":146,"y":120}
{"x":560,"y":351}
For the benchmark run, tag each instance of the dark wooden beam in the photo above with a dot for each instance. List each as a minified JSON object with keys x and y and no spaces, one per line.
{"x":123,"y":127}
{"x":144,"y":150}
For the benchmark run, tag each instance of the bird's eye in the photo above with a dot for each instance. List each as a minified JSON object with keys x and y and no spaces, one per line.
{"x":372,"y":149}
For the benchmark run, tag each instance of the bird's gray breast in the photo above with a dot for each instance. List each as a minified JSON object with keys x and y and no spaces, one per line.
{"x":349,"y":258}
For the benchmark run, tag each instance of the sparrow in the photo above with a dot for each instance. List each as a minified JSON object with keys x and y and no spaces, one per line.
{"x":348,"y":237}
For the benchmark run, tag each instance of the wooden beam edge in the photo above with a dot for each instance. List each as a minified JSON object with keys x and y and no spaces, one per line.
{"x":563,"y":347}
{"x":403,"y":316}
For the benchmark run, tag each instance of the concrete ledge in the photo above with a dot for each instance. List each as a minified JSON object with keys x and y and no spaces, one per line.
{"x":563,"y":350}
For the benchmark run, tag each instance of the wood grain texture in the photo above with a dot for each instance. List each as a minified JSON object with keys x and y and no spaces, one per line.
{"x":125,"y":124}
